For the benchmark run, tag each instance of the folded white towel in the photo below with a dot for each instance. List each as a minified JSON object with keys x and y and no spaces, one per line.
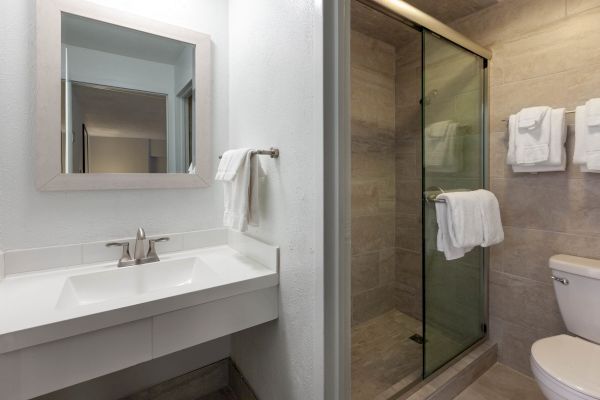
{"x":555,"y":123}
{"x":230,"y":163}
{"x":533,"y":140}
{"x":531,"y":118}
{"x":587,"y":142}
{"x":241,"y":192}
{"x":592,"y":112}
{"x":467,"y":219}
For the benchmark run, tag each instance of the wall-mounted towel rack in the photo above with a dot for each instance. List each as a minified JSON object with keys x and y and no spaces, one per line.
{"x":272,"y":152}
{"x":566,"y":112}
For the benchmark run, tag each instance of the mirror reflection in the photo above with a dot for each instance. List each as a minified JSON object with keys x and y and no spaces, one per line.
{"x":127,"y":100}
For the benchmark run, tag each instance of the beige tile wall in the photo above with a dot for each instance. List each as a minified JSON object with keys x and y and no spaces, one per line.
{"x":546,"y":52}
{"x":373,"y":176}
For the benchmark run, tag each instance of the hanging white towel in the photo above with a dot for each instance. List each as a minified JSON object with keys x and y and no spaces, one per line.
{"x":240,"y":189}
{"x":587,"y":142}
{"x":442,"y":147}
{"x":533,"y":139}
{"x":592,"y":112}
{"x":493,"y":233}
{"x":466,"y":220}
{"x":555,"y":122}
{"x":444,"y":243}
{"x":463,"y":217}
{"x":230,"y":163}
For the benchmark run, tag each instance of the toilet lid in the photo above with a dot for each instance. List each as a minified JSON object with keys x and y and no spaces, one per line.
{"x":572,"y":361}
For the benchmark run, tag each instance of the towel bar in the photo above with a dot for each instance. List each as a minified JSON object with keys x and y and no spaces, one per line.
{"x":273,"y":152}
{"x":432,"y":193}
{"x":566,"y":112}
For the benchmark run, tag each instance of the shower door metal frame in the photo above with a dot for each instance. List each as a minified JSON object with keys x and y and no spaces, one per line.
{"x":337,"y":161}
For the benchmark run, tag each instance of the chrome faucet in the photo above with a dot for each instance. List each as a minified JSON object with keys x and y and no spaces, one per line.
{"x":138,"y":252}
{"x":139,"y":256}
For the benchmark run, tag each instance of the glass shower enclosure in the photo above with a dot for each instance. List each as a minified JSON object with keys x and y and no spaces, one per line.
{"x":419,"y":128}
{"x":453,"y":93}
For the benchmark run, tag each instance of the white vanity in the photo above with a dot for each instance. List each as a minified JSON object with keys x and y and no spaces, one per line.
{"x":102,"y":318}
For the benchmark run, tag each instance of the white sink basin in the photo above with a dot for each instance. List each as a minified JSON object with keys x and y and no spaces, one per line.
{"x":136,"y":280}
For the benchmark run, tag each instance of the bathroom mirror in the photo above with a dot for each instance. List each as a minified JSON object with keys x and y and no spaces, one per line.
{"x":123,"y":102}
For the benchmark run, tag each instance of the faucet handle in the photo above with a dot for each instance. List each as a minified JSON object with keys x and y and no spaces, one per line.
{"x":141,"y":234}
{"x":125,"y":256}
{"x":152,"y":247}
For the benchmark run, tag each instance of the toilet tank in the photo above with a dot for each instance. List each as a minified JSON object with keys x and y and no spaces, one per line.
{"x":577,"y":286}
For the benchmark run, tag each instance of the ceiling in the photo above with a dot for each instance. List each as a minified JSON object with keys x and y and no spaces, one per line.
{"x":390,"y":30}
{"x":114,"y":112}
{"x":96,"y":35}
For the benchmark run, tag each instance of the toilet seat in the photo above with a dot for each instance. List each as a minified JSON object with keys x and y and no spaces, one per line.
{"x":569,"y":365}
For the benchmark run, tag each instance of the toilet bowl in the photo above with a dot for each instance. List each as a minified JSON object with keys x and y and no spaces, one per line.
{"x":568,"y":367}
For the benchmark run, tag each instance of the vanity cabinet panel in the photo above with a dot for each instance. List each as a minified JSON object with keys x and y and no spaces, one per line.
{"x":40,"y":369}
{"x":188,"y":327}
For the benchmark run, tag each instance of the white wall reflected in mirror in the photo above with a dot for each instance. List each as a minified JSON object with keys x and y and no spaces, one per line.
{"x":127,"y":99}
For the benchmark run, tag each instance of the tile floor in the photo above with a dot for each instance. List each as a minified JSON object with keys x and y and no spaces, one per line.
{"x":502,"y":383}
{"x":383,"y":354}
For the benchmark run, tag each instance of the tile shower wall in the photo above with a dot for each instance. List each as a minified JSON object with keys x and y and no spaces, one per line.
{"x":545,"y":53}
{"x":373,"y":176}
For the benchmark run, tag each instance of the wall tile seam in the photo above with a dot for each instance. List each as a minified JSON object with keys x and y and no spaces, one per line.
{"x":508,"y":4}
{"x":590,"y":234}
{"x":595,"y":236}
{"x":567,"y":71}
{"x":513,"y":277}
{"x":415,"y":252}
{"x":586,"y":10}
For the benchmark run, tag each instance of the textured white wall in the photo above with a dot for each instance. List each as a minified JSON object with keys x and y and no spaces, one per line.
{"x":275,"y":99}
{"x":29,"y":218}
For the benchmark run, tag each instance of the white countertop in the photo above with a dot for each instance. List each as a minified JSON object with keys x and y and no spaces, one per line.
{"x":30,"y":312}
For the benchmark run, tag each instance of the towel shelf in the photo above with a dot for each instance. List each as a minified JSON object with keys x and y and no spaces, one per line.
{"x":272,"y":152}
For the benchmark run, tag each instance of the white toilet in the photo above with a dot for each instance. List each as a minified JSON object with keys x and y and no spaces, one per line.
{"x":568,"y":367}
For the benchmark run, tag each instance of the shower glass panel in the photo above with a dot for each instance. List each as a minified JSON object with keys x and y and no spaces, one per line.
{"x":453,"y":93}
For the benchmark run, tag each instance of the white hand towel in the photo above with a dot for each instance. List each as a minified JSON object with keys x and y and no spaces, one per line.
{"x":581,"y":129}
{"x":442,"y":147}
{"x":556,"y":150}
{"x":230,"y":163}
{"x":531,"y":118}
{"x":493,"y":233}
{"x":463,"y":217}
{"x":533,"y":142}
{"x":467,"y":219}
{"x":241,"y":193}
{"x":511,"y":157}
{"x":592,"y":112}
{"x":444,"y":243}
{"x":587,"y":142}
{"x":437,"y":143}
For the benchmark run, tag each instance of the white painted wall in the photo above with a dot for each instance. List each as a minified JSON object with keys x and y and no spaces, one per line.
{"x":29,"y":218}
{"x":275,"y":99}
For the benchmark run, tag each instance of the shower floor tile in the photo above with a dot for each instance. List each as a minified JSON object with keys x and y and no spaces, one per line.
{"x":383,"y":353}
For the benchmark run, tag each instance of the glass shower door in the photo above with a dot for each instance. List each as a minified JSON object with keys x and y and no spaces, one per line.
{"x":453,"y":159}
